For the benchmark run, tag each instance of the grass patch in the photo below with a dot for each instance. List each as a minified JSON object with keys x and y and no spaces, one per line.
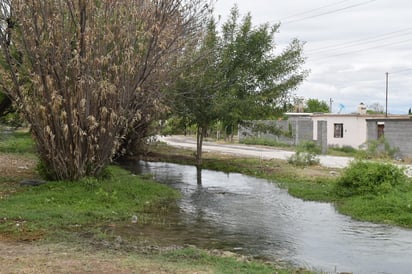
{"x":228,"y":263}
{"x":263,"y":142}
{"x":89,"y":202}
{"x":346,"y":151}
{"x":16,"y":142}
{"x":394,"y":208}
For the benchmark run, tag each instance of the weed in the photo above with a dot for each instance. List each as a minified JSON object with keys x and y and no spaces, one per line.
{"x":379,"y":149}
{"x":306,"y":155}
{"x":263,"y":142}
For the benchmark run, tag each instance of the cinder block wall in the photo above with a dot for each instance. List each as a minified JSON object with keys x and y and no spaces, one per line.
{"x":398,"y":133}
{"x":302,"y":130}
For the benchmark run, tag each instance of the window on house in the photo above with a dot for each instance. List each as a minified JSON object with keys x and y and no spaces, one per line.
{"x":381,"y":130}
{"x":338,"y":130}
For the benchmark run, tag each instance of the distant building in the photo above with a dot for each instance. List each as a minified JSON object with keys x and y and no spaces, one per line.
{"x":339,"y":130}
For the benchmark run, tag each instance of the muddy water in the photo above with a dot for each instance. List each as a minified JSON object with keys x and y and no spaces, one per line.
{"x":255,"y":217}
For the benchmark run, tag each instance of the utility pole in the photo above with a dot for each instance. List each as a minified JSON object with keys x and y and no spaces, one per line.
{"x":386,"y":108}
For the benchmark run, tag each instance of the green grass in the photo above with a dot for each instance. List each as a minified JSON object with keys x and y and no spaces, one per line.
{"x":16,"y":142}
{"x":229,"y":264}
{"x":59,"y":205}
{"x":394,"y":208}
{"x":264,"y":142}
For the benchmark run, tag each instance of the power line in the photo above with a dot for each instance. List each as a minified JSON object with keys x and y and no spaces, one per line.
{"x":364,"y":49}
{"x":328,"y":12}
{"x":360,"y":42}
{"x":310,"y":11}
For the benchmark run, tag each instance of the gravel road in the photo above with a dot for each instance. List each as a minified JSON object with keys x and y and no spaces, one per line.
{"x":248,"y":150}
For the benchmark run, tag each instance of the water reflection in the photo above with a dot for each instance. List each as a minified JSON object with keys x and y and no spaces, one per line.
{"x":255,"y":216}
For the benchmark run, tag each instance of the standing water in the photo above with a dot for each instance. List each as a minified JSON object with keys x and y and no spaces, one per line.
{"x":258,"y":218}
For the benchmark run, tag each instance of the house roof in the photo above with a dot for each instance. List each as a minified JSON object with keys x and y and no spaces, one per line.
{"x":367,"y":116}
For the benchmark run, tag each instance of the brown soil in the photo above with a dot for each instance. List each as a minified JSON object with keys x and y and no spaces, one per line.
{"x":47,"y":258}
{"x":15,"y":165}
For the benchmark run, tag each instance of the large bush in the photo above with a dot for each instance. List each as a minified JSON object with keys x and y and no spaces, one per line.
{"x":364,"y":177}
{"x":87,"y":75}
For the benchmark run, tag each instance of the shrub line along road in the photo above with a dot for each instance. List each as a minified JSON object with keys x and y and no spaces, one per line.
{"x":248,"y":150}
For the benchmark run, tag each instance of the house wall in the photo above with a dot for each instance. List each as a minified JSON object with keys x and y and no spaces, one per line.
{"x":354,"y":129}
{"x":397,"y":133}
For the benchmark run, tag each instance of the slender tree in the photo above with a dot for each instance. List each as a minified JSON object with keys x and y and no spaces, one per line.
{"x":238,"y":75}
{"x":197,"y":86}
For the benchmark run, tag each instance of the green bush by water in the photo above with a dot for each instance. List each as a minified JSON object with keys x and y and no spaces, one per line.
{"x":369,"y":178}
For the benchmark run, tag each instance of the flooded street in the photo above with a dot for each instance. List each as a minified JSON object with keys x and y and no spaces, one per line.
{"x":255,"y":217}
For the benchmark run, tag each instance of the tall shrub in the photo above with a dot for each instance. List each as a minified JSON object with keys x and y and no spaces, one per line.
{"x":85,"y":73}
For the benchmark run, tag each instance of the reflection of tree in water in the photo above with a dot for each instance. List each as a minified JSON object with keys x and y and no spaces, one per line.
{"x":199,"y":175}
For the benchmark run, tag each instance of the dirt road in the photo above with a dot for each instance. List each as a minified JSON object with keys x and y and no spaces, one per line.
{"x":252,"y":151}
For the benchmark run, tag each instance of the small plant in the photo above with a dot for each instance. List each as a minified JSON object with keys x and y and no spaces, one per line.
{"x":303,"y":159}
{"x":308,"y":146}
{"x":363,"y":178}
{"x":378,"y":149}
{"x":306,"y":155}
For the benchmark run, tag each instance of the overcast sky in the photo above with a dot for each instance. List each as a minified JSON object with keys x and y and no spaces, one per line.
{"x":350,"y":45}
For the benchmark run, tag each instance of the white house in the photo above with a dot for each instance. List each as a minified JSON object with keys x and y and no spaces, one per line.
{"x":343,"y":129}
{"x":347,"y":129}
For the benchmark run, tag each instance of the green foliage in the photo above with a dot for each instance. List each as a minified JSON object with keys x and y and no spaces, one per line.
{"x":315,"y":105}
{"x":369,"y":178}
{"x":234,"y":75}
{"x":377,"y":149}
{"x":308,"y":146}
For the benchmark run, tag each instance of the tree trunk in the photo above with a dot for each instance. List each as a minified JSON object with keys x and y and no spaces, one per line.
{"x":201,"y":132}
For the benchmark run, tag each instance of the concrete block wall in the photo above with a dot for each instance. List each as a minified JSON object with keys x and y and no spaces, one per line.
{"x":302,"y":130}
{"x":398,"y":134}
